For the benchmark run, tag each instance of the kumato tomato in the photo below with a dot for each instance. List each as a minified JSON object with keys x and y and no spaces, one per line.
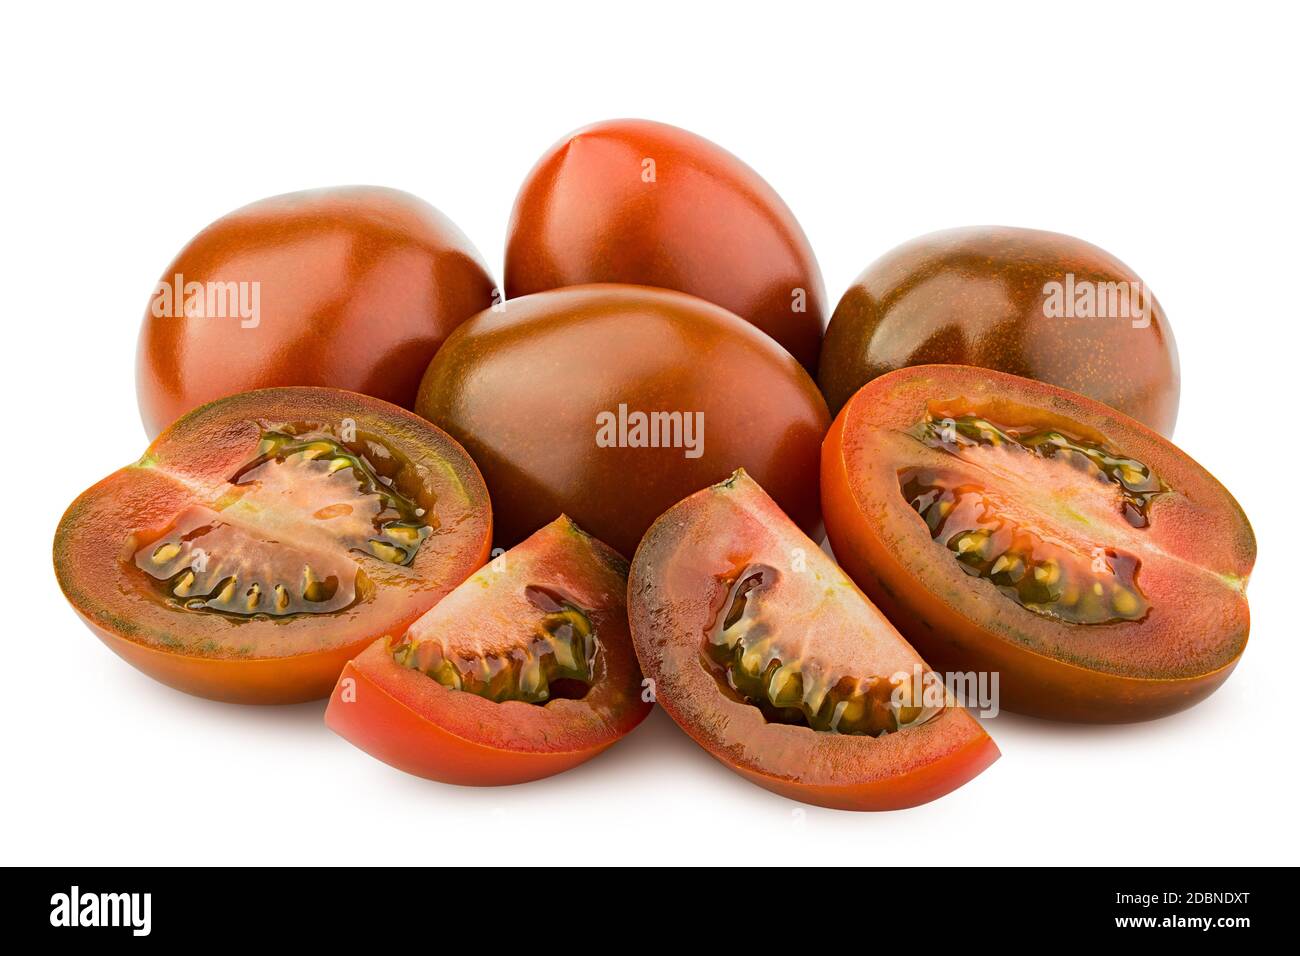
{"x":772,"y":660}
{"x":649,"y":204}
{"x":1036,"y":304}
{"x":350,"y":288}
{"x":1007,"y":525}
{"x":610,"y":403}
{"x":265,"y":538}
{"x":523,"y":671}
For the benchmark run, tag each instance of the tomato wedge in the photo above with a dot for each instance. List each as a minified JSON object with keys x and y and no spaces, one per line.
{"x":263,"y":539}
{"x":1008,"y":525}
{"x":767,"y":655}
{"x":523,"y":671}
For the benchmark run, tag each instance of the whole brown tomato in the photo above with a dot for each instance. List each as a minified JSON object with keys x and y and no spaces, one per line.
{"x":650,"y":204}
{"x":1036,"y":304}
{"x":354,"y":288}
{"x":611,"y":403}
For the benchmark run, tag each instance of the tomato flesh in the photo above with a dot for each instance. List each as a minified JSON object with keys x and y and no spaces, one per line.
{"x":789,"y":681}
{"x":559,"y":656}
{"x":523,"y":671}
{"x":773,"y":661}
{"x":264,"y":538}
{"x":1009,"y":525}
{"x":302,"y":504}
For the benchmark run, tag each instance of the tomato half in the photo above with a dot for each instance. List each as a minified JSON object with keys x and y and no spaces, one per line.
{"x":523,"y":671}
{"x":1012,"y":526}
{"x":610,"y":403}
{"x":353,"y":287}
{"x":1032,"y":303}
{"x":264,"y":539}
{"x":649,"y":204}
{"x":772,"y":660}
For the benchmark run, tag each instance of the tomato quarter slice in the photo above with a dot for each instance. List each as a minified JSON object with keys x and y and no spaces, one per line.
{"x":523,"y":671}
{"x":265,"y":538}
{"x":1008,"y":525}
{"x":767,"y":655}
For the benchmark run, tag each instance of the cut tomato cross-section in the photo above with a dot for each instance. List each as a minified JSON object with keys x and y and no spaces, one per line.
{"x":1012,"y":526}
{"x":264,"y":538}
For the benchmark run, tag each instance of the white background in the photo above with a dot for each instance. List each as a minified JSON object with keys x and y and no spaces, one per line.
{"x":1167,"y":136}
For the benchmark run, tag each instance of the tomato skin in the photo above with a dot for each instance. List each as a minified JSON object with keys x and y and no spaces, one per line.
{"x":879,"y":555}
{"x":956,"y":757}
{"x":975,"y":296}
{"x":707,"y":224}
{"x":522,"y":389}
{"x":380,"y":723}
{"x":389,"y":730}
{"x":292,"y":680}
{"x":358,"y":287}
{"x":673,"y":594}
{"x":291,"y":660}
{"x":410,"y":721}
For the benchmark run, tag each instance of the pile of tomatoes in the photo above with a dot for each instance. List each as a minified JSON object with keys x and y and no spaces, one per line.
{"x":497,"y":528}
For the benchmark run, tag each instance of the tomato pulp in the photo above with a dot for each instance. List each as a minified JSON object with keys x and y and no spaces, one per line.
{"x":523,"y":671}
{"x":1007,"y":525}
{"x":767,"y":655}
{"x":265,"y":538}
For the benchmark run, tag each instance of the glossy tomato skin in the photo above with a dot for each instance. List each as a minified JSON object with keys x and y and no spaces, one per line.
{"x":251,"y":659}
{"x":980,"y":296}
{"x":356,"y":288}
{"x":677,"y":590}
{"x":533,"y":391}
{"x":645,"y":203}
{"x":1184,"y":648}
{"x":410,"y":721}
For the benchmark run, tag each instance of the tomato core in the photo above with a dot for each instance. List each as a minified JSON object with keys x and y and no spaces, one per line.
{"x":1136,"y":482}
{"x":743,"y":652}
{"x":1053,"y":571}
{"x":276,"y":538}
{"x":557,"y":660}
